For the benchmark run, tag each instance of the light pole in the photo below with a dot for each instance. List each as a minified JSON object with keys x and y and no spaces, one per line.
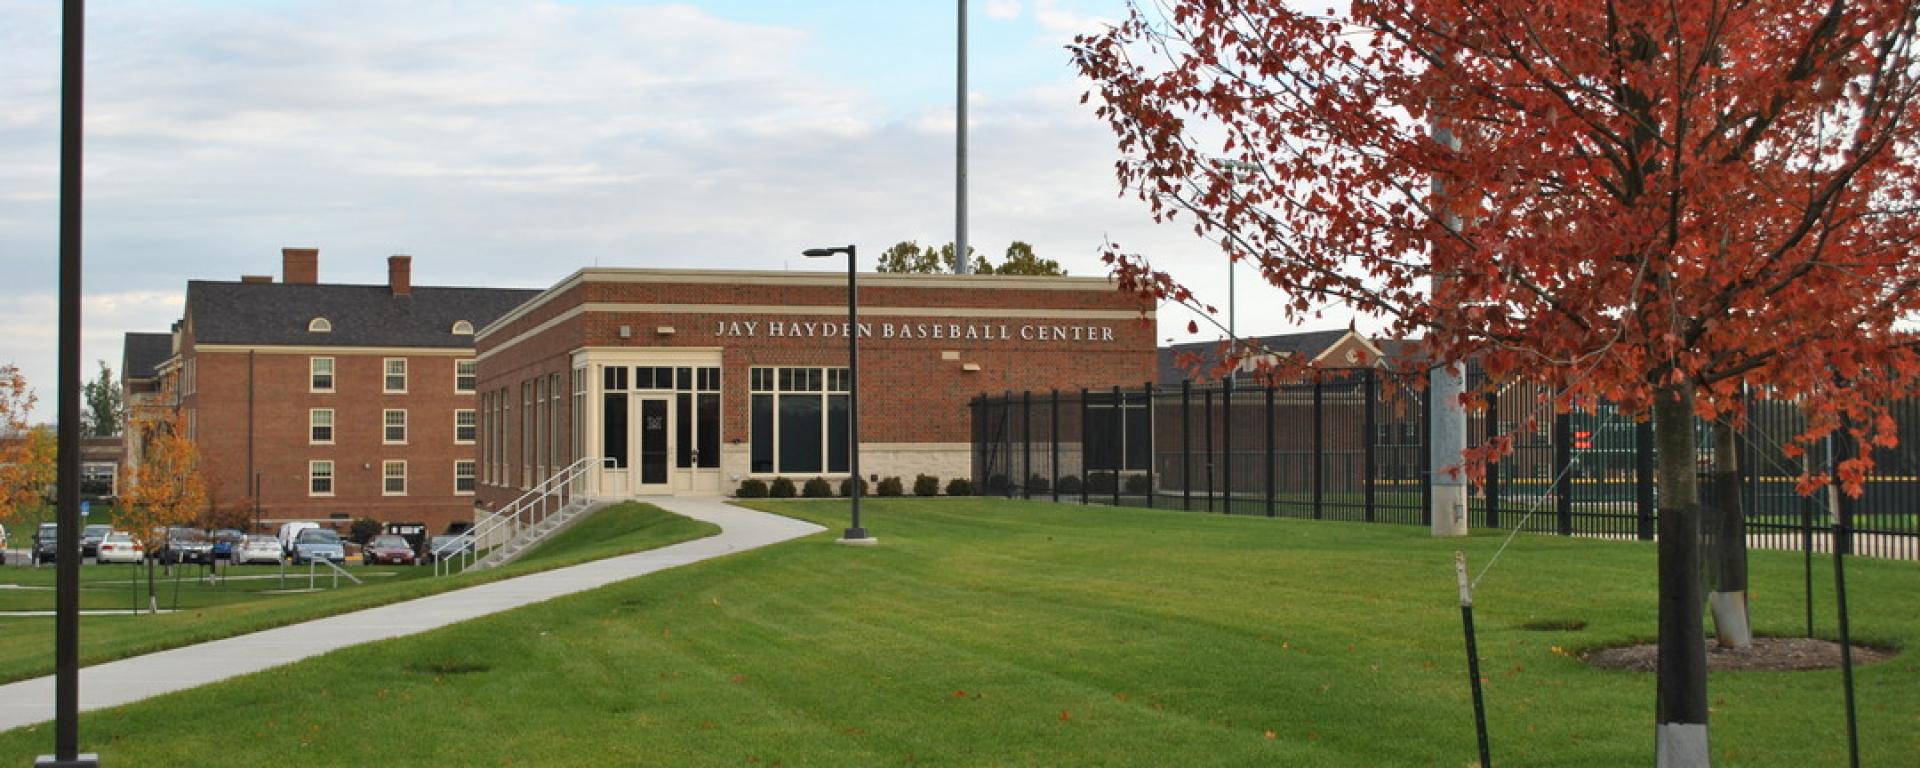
{"x":855,"y":535}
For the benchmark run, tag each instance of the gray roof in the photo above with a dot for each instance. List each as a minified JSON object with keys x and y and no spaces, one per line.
{"x":1308,"y":344}
{"x":143,"y":353}
{"x":361,"y":315}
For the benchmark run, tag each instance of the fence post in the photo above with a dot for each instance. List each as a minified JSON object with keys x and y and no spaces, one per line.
{"x":1426,"y":453}
{"x":1226,"y":443}
{"x":1186,"y":444}
{"x":1026,"y":444}
{"x":1086,"y":450}
{"x":979,"y":436}
{"x":1643,"y":478}
{"x":1563,"y":469}
{"x":1054,"y":465}
{"x":1270,"y":449}
{"x":1206,"y":407}
{"x":1006,"y":436}
{"x":1491,"y":487}
{"x":1366,"y":402}
{"x":1120,"y":441}
{"x":1319,"y":446}
{"x":1153,"y":455}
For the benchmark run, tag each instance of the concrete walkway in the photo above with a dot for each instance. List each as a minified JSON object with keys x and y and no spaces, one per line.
{"x":128,"y":680}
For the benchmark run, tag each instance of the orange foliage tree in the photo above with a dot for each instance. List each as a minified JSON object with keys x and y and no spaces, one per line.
{"x":168,"y":487}
{"x":1647,"y":202}
{"x":26,"y":453}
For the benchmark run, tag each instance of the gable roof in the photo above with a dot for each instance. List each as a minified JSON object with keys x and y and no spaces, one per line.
{"x":142,"y":354}
{"x":361,"y":315}
{"x":1308,"y":344}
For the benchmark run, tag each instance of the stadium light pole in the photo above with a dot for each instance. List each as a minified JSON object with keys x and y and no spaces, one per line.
{"x":855,"y":535}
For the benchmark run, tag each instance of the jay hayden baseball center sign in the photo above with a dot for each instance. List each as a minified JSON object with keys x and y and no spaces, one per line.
{"x":784,"y":329}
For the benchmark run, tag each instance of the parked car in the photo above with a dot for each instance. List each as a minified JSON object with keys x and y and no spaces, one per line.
{"x":90,"y":537}
{"x":224,"y":541}
{"x":291,"y":531}
{"x":257,"y":549}
{"x":448,"y":546}
{"x":117,"y":547}
{"x":389,"y":550}
{"x":186,"y":545}
{"x":318,"y":544}
{"x":46,"y":548}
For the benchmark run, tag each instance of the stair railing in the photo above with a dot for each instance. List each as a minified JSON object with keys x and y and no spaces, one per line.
{"x":511,"y":520}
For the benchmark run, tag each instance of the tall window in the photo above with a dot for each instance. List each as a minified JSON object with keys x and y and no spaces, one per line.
{"x":613,"y":416}
{"x":526,"y":434}
{"x":799,"y":420}
{"x":465,"y":373}
{"x":538,"y":424}
{"x":579,"y":413}
{"x":319,"y":478}
{"x":463,"y":477}
{"x":554,"y":456}
{"x":320,"y":374}
{"x":698,"y":398}
{"x":320,"y":426}
{"x":393,"y":424}
{"x":464,"y":426}
{"x":393,"y":478}
{"x":396,"y":378}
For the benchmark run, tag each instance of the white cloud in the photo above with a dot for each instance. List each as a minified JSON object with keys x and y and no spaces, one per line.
{"x":1003,"y":10}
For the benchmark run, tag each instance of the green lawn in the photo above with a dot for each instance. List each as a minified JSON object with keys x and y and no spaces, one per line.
{"x":241,"y":605}
{"x":991,"y":633}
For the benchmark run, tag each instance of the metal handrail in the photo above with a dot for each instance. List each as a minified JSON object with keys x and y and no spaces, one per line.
{"x":529,"y":509}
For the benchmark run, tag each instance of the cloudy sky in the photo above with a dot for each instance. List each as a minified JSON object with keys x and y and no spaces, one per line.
{"x":508,"y":143}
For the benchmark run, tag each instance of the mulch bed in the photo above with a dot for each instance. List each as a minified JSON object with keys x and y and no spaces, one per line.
{"x":1767,"y":653}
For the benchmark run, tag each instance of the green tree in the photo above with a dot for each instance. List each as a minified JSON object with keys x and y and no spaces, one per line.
{"x":1022,"y":261}
{"x":106,"y":406}
{"x":980,"y":264}
{"x":908,"y":257}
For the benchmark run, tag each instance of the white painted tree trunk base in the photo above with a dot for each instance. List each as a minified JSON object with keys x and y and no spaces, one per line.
{"x":1730,"y":625}
{"x":1682,"y":745}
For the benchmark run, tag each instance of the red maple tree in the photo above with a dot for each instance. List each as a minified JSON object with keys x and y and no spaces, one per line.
{"x":1647,"y":202}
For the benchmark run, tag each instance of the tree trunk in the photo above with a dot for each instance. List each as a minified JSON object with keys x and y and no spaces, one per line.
{"x":1681,"y":702}
{"x":1728,"y":600}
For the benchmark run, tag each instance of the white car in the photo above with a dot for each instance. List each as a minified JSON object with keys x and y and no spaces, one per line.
{"x":256,"y":549}
{"x":118,"y":547}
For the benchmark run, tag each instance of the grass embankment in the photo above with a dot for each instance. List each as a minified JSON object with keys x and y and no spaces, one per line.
{"x":241,"y":605}
{"x":1026,"y":634}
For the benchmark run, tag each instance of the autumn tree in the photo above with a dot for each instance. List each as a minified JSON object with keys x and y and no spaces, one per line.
{"x":1642,"y":203}
{"x":26,"y":453}
{"x":168,"y":486}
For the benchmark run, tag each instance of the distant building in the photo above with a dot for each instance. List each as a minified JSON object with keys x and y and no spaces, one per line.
{"x":1327,"y":349}
{"x":314,"y":401}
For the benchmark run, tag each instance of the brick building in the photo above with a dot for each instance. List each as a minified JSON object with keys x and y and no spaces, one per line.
{"x":315,"y":401}
{"x":688,"y":381}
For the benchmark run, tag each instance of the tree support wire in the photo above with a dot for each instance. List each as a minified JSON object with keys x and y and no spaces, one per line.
{"x":1473,"y":656}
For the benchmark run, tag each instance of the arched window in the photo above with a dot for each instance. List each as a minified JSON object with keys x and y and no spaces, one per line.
{"x":463,"y":328}
{"x":319,"y":325}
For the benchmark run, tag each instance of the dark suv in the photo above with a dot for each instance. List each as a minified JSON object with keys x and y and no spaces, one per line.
{"x":186,"y":545}
{"x":46,"y":547}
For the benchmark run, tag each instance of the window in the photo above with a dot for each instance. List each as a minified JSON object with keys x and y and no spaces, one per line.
{"x":799,"y":420}
{"x":319,"y":325}
{"x":394,"y":426}
{"x":320,"y":374}
{"x":464,"y":375}
{"x":393,"y":478}
{"x":554,"y":456}
{"x":320,"y":426}
{"x":396,"y":380}
{"x":464,"y":426}
{"x":698,"y":422}
{"x":579,"y":413}
{"x":462,"y":328}
{"x":319,"y":478}
{"x":526,"y":434}
{"x":463,"y":477}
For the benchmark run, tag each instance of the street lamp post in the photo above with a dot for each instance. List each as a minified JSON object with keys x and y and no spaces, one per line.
{"x":855,"y":534}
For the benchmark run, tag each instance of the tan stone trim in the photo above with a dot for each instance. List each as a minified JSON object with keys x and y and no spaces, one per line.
{"x":770,"y":278}
{"x":271,"y":349}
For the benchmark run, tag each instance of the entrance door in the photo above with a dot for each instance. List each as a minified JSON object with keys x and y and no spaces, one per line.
{"x":655,"y":450}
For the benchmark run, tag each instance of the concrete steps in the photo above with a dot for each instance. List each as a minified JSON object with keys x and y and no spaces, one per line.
{"x":534,"y":535}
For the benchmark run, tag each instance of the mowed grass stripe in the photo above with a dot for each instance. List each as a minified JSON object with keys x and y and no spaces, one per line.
{"x":984,"y":632}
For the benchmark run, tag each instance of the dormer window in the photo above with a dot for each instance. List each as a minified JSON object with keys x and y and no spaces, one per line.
{"x":463,"y":328}
{"x":319,"y":325}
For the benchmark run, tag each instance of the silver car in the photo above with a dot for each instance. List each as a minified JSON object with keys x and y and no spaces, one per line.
{"x":318,"y":544}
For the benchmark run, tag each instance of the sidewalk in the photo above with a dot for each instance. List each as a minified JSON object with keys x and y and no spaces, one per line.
{"x":31,"y":701}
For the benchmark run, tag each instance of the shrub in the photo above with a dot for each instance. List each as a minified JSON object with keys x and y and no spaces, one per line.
{"x":1138,"y":485}
{"x":782,"y":488}
{"x":817,"y":488}
{"x":959,"y":486}
{"x":846,"y":487}
{"x":1101,"y":483}
{"x":1069,"y":485}
{"x":926,"y":485}
{"x":752,"y":488}
{"x":363,"y":530}
{"x":1039,"y":483}
{"x":890,"y":486}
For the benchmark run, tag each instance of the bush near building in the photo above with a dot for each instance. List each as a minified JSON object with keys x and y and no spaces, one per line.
{"x":817,"y":488}
{"x":926,"y":485}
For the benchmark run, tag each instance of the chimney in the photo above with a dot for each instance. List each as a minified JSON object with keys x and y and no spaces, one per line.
{"x":300,"y":266}
{"x":256,"y":279}
{"x":400,"y":275}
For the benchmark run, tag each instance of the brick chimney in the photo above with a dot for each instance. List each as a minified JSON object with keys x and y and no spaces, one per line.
{"x":300,"y":266}
{"x":400,"y":275}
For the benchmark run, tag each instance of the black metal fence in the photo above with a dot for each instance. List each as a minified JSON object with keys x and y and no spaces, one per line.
{"x":1353,"y":446}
